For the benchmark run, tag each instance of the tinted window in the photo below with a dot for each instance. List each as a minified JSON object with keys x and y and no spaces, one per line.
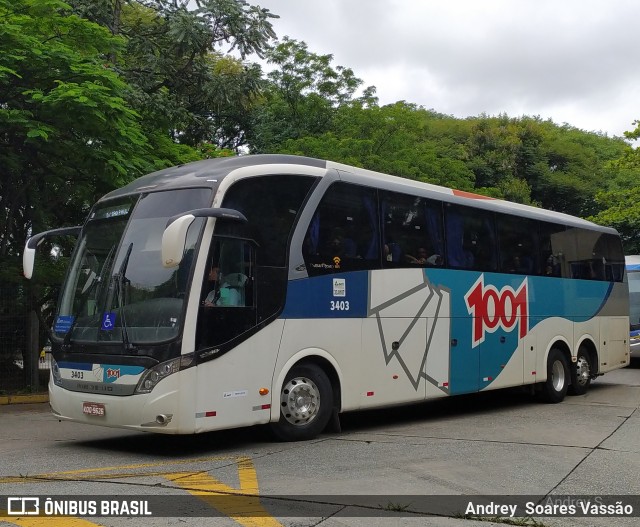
{"x":470,"y":235}
{"x":614,"y":257}
{"x":117,"y":270}
{"x":554,"y":244}
{"x":343,"y":234}
{"x":228,"y":294}
{"x":597,"y":256}
{"x":634,"y":299}
{"x":271,"y":204}
{"x":411,"y":231}
{"x":518,"y":241}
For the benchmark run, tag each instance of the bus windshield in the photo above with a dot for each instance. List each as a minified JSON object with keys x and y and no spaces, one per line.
{"x":117,"y":289}
{"x":634,"y":298}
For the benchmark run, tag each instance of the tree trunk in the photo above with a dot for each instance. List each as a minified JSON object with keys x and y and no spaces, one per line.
{"x":31,"y":353}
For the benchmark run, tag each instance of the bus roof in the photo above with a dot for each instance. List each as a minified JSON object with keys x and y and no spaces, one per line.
{"x":210,"y":172}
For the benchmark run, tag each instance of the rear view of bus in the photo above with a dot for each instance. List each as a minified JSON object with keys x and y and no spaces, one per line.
{"x":633,"y":276}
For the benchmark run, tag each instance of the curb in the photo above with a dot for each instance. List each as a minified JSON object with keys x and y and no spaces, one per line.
{"x":24,"y":399}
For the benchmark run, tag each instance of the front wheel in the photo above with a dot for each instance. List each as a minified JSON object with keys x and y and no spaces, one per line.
{"x":306,"y":402}
{"x":581,"y":373}
{"x":555,"y":387}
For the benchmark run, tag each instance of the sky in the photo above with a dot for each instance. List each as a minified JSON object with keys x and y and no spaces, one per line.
{"x":571,"y":61}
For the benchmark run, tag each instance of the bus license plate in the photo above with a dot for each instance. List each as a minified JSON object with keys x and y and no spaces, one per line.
{"x":97,"y":409}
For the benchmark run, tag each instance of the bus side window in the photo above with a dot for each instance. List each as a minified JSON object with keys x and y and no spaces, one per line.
{"x":411,"y":231}
{"x":518,"y":243}
{"x":553,"y":246}
{"x":471,"y":241}
{"x":343,"y":234}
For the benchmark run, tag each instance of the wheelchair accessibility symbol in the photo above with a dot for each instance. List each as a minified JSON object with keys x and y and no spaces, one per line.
{"x":108,"y":321}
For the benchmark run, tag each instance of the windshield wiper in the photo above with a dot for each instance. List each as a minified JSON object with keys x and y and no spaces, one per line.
{"x":120,"y":278}
{"x":67,"y":338}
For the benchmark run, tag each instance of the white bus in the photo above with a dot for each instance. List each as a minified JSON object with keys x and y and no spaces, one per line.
{"x":286,"y":290}
{"x":633,"y":277}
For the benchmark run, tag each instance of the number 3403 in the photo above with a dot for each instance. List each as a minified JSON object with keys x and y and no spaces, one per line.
{"x":339,"y":305}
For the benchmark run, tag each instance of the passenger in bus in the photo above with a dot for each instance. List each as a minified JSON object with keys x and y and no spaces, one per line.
{"x":392,"y":252}
{"x":552,"y":267}
{"x":519,"y":264}
{"x":420,"y":258}
{"x":435,"y":260}
{"x":339,"y":245}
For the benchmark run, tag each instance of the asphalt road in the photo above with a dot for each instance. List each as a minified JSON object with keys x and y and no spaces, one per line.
{"x":387,"y":467}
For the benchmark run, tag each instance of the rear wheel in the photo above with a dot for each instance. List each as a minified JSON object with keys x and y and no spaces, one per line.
{"x":581,"y":373}
{"x":555,"y":387}
{"x":306,"y":402}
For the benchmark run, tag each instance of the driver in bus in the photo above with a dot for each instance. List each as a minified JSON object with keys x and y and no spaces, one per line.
{"x":224,"y":295}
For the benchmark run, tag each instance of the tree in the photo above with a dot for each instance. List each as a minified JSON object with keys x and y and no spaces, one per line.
{"x":180,"y":80}
{"x":618,"y":205}
{"x":66,"y":132}
{"x":92,"y":98}
{"x":620,"y":209}
{"x":303,"y":94}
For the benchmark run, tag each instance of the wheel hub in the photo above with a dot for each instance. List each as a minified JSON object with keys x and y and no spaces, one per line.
{"x":300,"y":401}
{"x":557,"y":375}
{"x":582,"y":370}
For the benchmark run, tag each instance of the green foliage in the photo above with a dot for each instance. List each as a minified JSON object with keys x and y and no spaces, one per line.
{"x":302,"y":97}
{"x":620,"y":209}
{"x":393,"y":139}
{"x":311,"y":108}
{"x":179,"y":80}
{"x":95,"y":93}
{"x":65,"y":128}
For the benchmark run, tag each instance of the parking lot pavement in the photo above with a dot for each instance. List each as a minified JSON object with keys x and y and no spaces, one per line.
{"x":502,"y":444}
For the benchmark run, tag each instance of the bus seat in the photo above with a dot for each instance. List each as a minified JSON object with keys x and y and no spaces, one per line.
{"x":350,"y":248}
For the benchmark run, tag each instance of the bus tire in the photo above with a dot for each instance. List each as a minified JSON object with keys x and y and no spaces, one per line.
{"x":555,"y":387}
{"x":581,"y":373}
{"x":306,"y":403}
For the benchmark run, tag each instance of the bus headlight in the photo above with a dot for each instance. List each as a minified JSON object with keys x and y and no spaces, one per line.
{"x":55,"y":373}
{"x":154,"y":375}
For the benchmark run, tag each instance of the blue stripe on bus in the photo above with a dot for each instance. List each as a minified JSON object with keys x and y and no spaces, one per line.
{"x":84,"y":366}
{"x":575,"y":300}
{"x":314,"y":297}
{"x":474,"y":368}
{"x":471,"y":368}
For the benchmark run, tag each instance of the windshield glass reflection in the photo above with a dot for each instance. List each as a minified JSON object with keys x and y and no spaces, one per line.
{"x":117,"y":289}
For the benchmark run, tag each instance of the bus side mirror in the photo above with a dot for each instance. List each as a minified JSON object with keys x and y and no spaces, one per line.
{"x":28,"y":261}
{"x":29,"y":254}
{"x":174,"y":236}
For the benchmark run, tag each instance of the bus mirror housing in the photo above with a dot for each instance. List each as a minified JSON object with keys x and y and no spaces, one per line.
{"x":174,"y":236}
{"x":29,"y":254}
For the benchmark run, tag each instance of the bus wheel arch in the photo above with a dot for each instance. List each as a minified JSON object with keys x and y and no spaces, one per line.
{"x":554,"y":389}
{"x":584,"y":368}
{"x":308,"y":398}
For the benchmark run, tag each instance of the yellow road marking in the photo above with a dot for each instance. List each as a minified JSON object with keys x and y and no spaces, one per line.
{"x":98,"y":473}
{"x":45,"y":521}
{"x":241,"y":504}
